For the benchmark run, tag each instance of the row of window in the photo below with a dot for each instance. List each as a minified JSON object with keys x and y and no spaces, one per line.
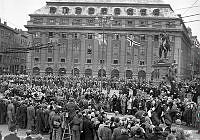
{"x":116,"y":36}
{"x":12,"y":38}
{"x":89,"y":61}
{"x":104,"y":11}
{"x":114,"y":22}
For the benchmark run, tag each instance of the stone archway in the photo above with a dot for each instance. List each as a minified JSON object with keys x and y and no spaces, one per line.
{"x":75,"y":72}
{"x":88,"y":72}
{"x":142,"y":75}
{"x":36,"y":71}
{"x":102,"y":72}
{"x":115,"y":73}
{"x":62,"y":71}
{"x":48,"y":71}
{"x":129,"y":74}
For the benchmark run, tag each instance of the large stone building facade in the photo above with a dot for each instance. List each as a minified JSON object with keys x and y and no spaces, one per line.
{"x":74,"y":25}
{"x":10,"y":62}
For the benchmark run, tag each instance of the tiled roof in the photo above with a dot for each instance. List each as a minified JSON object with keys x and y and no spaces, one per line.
{"x":114,"y":1}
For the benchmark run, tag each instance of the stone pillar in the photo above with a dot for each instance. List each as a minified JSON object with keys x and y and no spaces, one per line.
{"x":43,"y":54}
{"x":96,"y":58}
{"x":82,"y":55}
{"x":56,"y":57}
{"x":135,"y":62}
{"x":177,"y":55}
{"x":109,"y":55}
{"x":70,"y":55}
{"x":122,"y":55}
{"x":149,"y":55}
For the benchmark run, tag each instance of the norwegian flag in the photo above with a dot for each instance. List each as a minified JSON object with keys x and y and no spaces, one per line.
{"x":99,"y":37}
{"x":132,"y":41}
{"x":197,"y":44}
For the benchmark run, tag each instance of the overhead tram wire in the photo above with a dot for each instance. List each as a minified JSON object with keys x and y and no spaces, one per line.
{"x":191,"y":21}
{"x":190,"y":7}
{"x":191,"y":15}
{"x":186,"y":8}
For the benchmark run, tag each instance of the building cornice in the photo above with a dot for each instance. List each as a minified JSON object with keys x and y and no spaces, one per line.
{"x":9,"y":28}
{"x":109,"y":4}
{"x":115,"y":17}
{"x":89,"y":28}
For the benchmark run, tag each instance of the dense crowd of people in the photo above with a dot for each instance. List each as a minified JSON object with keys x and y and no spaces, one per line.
{"x":91,"y":109}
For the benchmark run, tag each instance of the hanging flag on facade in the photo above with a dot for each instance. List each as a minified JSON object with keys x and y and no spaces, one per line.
{"x":100,"y":39}
{"x":197,"y":44}
{"x":132,"y":41}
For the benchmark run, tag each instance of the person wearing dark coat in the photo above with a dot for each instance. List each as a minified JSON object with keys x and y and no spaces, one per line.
{"x":105,"y":133}
{"x":2,"y":112}
{"x":88,"y":129}
{"x":21,"y":115}
{"x":71,"y":108}
{"x":39,"y":122}
{"x":30,"y":117}
{"x":157,"y":135}
{"x":124,"y":135}
{"x":12,"y":135}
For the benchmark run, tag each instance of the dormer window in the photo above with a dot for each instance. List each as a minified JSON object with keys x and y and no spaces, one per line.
{"x":78,"y":10}
{"x":130,"y":11}
{"x":143,"y":12}
{"x":104,"y":11}
{"x":52,"y":10}
{"x":156,"y":12}
{"x":117,"y":11}
{"x":90,"y":11}
{"x":65,"y":10}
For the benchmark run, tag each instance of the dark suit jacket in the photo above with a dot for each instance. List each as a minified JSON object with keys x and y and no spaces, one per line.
{"x":11,"y":137}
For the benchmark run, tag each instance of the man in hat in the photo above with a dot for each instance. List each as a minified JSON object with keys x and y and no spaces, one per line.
{"x":105,"y":133}
{"x":157,"y":135}
{"x":28,"y":135}
{"x":12,"y":135}
{"x":30,"y":117}
{"x":71,"y":107}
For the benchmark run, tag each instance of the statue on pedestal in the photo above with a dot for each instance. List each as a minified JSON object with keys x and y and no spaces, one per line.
{"x":164,"y":45}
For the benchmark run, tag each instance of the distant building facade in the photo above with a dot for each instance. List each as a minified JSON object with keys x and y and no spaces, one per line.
{"x":74,"y":24}
{"x":12,"y":63}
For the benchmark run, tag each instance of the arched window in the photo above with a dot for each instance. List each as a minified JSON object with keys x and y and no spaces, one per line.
{"x":156,"y":12}
{"x":117,"y":11}
{"x":52,"y":10}
{"x":78,"y":10}
{"x":104,"y":11}
{"x":65,"y":10}
{"x":130,"y":11}
{"x":143,"y":12}
{"x":91,"y":11}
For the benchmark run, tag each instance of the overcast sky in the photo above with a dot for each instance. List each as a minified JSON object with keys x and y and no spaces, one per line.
{"x":15,"y":12}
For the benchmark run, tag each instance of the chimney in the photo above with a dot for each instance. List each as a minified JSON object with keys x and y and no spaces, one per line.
{"x":5,"y":23}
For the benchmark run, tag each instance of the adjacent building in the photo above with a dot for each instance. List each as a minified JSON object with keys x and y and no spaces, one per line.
{"x":75,"y":30}
{"x":12,"y":63}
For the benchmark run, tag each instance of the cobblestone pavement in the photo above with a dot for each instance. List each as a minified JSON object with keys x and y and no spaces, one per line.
{"x":22,"y":132}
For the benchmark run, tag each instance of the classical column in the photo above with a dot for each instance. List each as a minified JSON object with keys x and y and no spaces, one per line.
{"x":43,"y":54}
{"x":135,"y":61}
{"x":109,"y":55}
{"x":95,"y":57}
{"x":122,"y":55}
{"x":70,"y":55}
{"x":149,"y":55}
{"x":82,"y":54}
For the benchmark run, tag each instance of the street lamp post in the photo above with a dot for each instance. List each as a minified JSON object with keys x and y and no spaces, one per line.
{"x":103,"y":20}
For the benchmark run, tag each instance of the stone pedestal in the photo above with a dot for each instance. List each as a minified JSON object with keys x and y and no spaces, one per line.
{"x":162,"y":69}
